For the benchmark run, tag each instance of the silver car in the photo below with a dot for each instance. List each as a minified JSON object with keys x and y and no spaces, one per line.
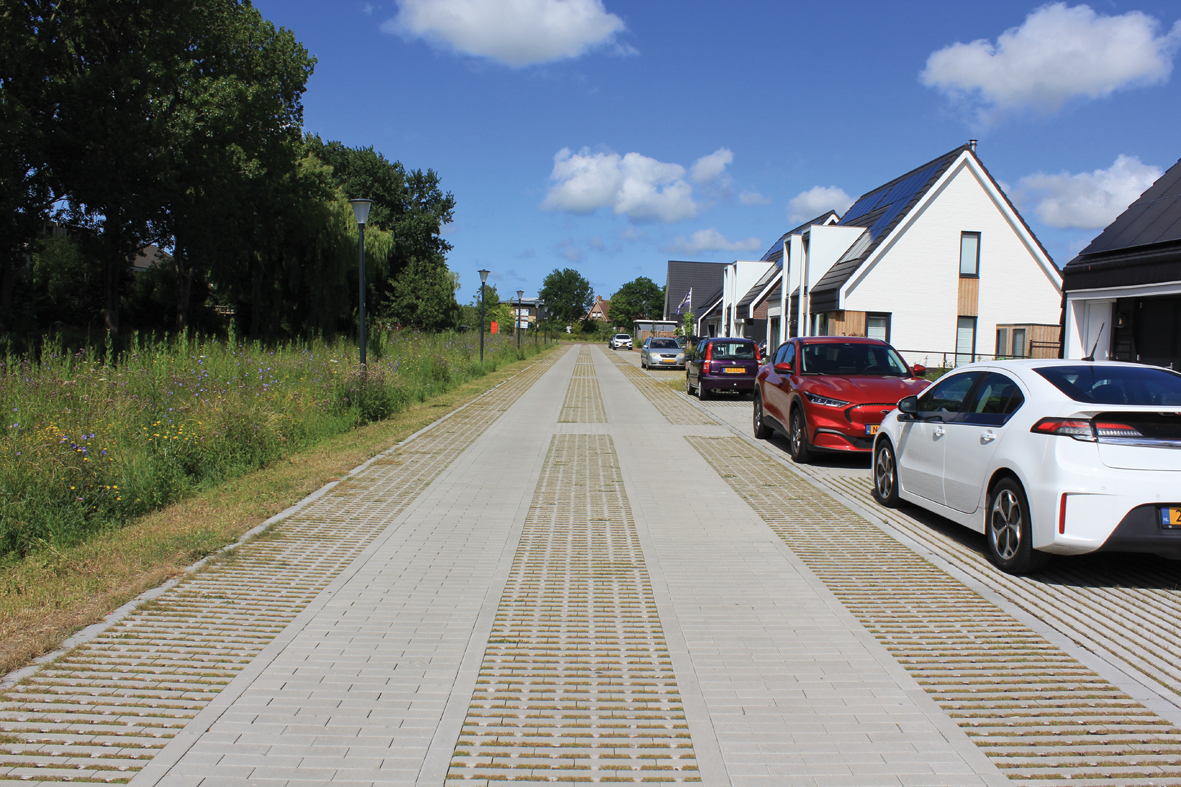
{"x":662,"y":354}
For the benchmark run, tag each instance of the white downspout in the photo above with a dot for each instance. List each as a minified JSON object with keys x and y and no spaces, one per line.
{"x":784,"y":317}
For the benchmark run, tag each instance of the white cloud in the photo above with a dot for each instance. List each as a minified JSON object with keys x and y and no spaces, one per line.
{"x":636,"y":186}
{"x":1088,"y":200}
{"x":753,"y":198}
{"x":816,"y":200}
{"x":1056,"y":54}
{"x":513,"y":32}
{"x":710,"y":240}
{"x":632,"y":233}
{"x":709,"y":168}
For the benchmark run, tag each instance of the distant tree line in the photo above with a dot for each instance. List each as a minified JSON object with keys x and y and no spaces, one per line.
{"x":132,"y":122}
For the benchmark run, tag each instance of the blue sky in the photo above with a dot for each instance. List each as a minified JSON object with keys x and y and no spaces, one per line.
{"x":610,"y":137}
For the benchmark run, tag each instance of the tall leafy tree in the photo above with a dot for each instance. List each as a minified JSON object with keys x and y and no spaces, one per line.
{"x":235,"y":129}
{"x":639,"y":298}
{"x":26,"y":193}
{"x":567,"y":295}
{"x":111,"y":71}
{"x":410,"y":206}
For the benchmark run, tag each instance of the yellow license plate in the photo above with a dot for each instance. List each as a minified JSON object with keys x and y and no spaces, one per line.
{"x":734,"y":370}
{"x":668,"y":360}
{"x":1171,"y":516}
{"x":871,"y":429}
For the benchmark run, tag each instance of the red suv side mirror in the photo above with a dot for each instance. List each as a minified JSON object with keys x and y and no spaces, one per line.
{"x":782,"y":368}
{"x":919,"y":370}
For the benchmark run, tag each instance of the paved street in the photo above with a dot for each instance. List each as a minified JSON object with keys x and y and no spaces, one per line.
{"x":587,"y":576}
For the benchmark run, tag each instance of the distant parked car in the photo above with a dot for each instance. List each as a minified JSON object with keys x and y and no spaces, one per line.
{"x":829,"y":393}
{"x":662,"y":353}
{"x":721,"y":364}
{"x":1043,"y":457}
{"x":620,"y":340}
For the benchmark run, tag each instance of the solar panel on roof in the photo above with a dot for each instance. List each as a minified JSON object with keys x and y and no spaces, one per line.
{"x":863,"y":206}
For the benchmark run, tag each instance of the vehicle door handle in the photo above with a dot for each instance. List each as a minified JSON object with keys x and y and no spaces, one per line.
{"x":938,"y":431}
{"x":987,"y":437}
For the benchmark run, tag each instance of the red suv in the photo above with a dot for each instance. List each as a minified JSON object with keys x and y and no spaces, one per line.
{"x":829,"y":393}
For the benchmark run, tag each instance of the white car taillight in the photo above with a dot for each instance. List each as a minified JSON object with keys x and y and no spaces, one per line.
{"x":1065,"y":427}
{"x":1079,"y":429}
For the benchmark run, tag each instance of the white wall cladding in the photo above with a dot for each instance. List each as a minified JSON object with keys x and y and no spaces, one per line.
{"x":916,"y":277}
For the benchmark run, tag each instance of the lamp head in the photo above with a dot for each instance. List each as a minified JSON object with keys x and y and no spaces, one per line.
{"x":361,"y":209}
{"x":520,"y":294}
{"x":483,"y":276}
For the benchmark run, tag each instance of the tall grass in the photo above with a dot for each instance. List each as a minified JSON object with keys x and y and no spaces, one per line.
{"x":91,"y":439}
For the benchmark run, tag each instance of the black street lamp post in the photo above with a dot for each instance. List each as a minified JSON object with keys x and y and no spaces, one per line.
{"x":361,"y":212}
{"x":520,"y":295}
{"x":483,"y":281}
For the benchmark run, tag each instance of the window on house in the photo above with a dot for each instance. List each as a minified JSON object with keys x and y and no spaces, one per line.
{"x":1019,"y":342}
{"x":877,"y":326}
{"x":820,"y":324}
{"x":965,"y":340}
{"x":1002,"y":341}
{"x":969,"y":254}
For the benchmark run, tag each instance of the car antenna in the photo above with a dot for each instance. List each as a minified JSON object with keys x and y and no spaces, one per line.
{"x":1095,"y":346}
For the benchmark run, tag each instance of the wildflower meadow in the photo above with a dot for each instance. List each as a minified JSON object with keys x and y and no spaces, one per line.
{"x":91,"y":439}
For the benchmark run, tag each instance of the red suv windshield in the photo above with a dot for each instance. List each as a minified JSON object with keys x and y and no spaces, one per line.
{"x":852,"y":358}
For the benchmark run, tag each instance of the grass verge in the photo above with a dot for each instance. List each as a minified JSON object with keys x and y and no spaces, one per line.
{"x":56,"y":591}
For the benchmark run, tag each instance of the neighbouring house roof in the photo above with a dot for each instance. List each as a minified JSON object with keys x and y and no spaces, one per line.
{"x":600,"y":307}
{"x":775,"y":253}
{"x":711,"y":304}
{"x":150,"y":256}
{"x":1142,"y":245}
{"x":701,"y":277}
{"x":758,"y":287}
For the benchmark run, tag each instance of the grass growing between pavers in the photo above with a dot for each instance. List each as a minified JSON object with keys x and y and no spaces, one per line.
{"x":57,"y":591}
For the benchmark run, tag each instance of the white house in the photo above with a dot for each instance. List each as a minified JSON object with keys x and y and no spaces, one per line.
{"x":1123,"y":292}
{"x":938,"y":262}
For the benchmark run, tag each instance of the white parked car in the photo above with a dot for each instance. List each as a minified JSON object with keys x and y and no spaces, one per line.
{"x":620,"y":340}
{"x":1043,"y":457}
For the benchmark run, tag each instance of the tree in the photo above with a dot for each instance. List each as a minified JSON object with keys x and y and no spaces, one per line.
{"x":410,"y":206}
{"x":237,"y":123}
{"x":639,"y":298}
{"x":109,"y":90}
{"x":25,"y":190}
{"x":567,"y":295}
{"x":423,"y":297}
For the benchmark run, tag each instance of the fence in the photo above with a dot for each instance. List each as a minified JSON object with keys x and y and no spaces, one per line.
{"x":949,"y":359}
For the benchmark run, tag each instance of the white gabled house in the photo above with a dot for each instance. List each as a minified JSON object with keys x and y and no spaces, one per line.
{"x":938,"y":262}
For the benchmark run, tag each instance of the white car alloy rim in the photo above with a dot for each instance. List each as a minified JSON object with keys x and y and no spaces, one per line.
{"x":883,"y":471}
{"x":1004,"y":524}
